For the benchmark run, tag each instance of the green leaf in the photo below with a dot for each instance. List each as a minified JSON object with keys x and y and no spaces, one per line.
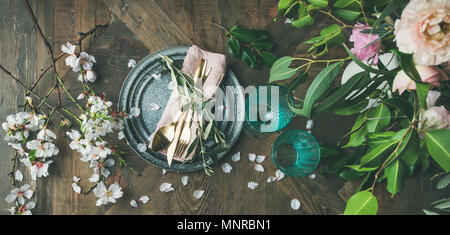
{"x":340,"y":93}
{"x":349,"y":174}
{"x":319,"y":3}
{"x":284,"y":4}
{"x":438,"y":146}
{"x":395,"y":173}
{"x":329,"y":36}
{"x":443,"y":182}
{"x":250,"y":58}
{"x":348,"y":4}
{"x":364,"y":65}
{"x":346,"y":14}
{"x":262,"y":44}
{"x":350,"y":110}
{"x":267,"y":58}
{"x":395,"y":4}
{"x":375,"y":139}
{"x":422,"y":93}
{"x":402,"y":105}
{"x":408,"y":66}
{"x":304,"y":17}
{"x":358,"y":131}
{"x":361,"y":169}
{"x":409,"y":155}
{"x":442,"y":204}
{"x":362,"y":203}
{"x":243,"y":34}
{"x":234,"y":47}
{"x":377,"y":154}
{"x":427,"y":212}
{"x":378,"y":118}
{"x":320,"y":84}
{"x":280,"y":69}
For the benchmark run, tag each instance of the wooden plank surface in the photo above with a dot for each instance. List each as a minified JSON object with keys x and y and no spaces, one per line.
{"x":139,"y":28}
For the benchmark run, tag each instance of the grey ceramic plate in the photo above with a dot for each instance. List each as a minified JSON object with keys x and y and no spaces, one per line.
{"x":139,"y":90}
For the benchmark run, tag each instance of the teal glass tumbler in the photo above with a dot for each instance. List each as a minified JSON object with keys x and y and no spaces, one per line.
{"x":296,"y":153}
{"x":267,"y":109}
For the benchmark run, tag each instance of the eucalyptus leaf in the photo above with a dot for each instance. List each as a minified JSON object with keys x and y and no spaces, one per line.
{"x":443,"y":182}
{"x":361,"y":203}
{"x":427,"y":212}
{"x":442,"y":204}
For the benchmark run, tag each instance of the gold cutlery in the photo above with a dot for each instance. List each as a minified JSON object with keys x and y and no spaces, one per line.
{"x":165,"y":134}
{"x":174,"y":143}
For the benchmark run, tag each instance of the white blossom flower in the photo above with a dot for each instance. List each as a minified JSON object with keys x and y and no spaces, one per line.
{"x":26,"y":209}
{"x":20,"y":194}
{"x":107,"y":195}
{"x":166,"y":187}
{"x":101,"y":167}
{"x":46,"y":134}
{"x":144,"y":199}
{"x":259,"y":168}
{"x":76,"y":188}
{"x":19,"y":149}
{"x":198,"y":193}
{"x":184,"y":180}
{"x":72,"y":60}
{"x":133,"y":203}
{"x":87,"y":76}
{"x":18,"y":176}
{"x":94,"y":178}
{"x":43,"y":149}
{"x":252,"y":185}
{"x":86,"y":61}
{"x":226,"y":167}
{"x":295,"y":204}
{"x":37,"y":169}
{"x":260,"y":158}
{"x":236,"y":157}
{"x":131,"y":63}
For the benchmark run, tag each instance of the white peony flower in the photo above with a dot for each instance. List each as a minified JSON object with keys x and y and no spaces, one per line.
{"x":106,"y":196}
{"x":434,"y":118}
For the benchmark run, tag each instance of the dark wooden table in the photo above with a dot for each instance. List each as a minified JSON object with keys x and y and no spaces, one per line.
{"x":137,"y":28}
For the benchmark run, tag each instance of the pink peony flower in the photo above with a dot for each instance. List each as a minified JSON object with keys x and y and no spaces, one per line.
{"x":428,"y":74}
{"x":423,"y":30}
{"x":436,"y":117}
{"x":361,"y":40}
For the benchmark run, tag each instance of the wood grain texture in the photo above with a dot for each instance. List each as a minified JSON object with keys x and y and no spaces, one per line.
{"x":141,"y":27}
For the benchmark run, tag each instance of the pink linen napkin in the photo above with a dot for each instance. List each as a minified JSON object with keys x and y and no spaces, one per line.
{"x":216,"y":63}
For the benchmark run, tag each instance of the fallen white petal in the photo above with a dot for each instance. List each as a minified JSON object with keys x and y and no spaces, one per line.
{"x":252,"y":185}
{"x":312,"y":176}
{"x":309,"y":124}
{"x":236,"y":157}
{"x":226,"y":167}
{"x":120,"y":135}
{"x":144,"y":199}
{"x":133,"y":203}
{"x":271,"y":179}
{"x":295,"y":204}
{"x":172,"y":86}
{"x":76,"y":188}
{"x":154,"y":107}
{"x":198,"y":193}
{"x":131,"y":63}
{"x":260,"y":158}
{"x":81,"y":96}
{"x":166,"y":187}
{"x":18,"y":176}
{"x":279,"y":175}
{"x":252,"y":157}
{"x":75,"y":179}
{"x":135,"y":112}
{"x":184,"y":180}
{"x":287,"y":21}
{"x":156,"y":76}
{"x":141,"y":147}
{"x":259,"y":168}
{"x":164,"y":171}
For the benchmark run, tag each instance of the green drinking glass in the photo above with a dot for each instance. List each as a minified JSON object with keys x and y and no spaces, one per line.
{"x":296,"y":153}
{"x":267,"y":110}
